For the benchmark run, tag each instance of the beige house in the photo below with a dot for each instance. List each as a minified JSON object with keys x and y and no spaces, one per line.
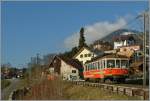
{"x":102,"y":45}
{"x":128,"y":50}
{"x":68,"y":69}
{"x":85,"y":54}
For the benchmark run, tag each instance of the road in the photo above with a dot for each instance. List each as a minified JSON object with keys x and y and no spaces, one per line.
{"x":15,"y":84}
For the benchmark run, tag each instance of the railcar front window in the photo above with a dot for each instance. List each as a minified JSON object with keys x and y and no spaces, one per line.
{"x":124,"y":63}
{"x":110,"y":63}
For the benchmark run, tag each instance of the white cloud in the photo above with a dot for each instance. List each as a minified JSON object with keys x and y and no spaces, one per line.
{"x":94,"y":32}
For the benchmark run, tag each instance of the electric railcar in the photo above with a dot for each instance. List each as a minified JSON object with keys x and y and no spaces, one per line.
{"x":107,"y":68}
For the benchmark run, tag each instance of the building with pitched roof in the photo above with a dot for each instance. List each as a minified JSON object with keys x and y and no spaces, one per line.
{"x":123,"y":40}
{"x":85,"y":54}
{"x":68,"y":69}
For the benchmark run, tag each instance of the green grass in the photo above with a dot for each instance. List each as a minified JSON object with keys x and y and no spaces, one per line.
{"x":61,"y":90}
{"x":4,"y":83}
{"x":78,"y":92}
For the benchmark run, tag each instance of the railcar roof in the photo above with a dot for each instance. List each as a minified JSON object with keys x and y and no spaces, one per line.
{"x":108,"y":56}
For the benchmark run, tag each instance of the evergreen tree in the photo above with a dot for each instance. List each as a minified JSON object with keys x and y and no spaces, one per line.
{"x":82,"y":39}
{"x":74,"y":51}
{"x":71,"y":53}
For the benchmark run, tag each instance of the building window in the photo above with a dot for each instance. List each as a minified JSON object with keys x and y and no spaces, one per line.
{"x":89,"y":55}
{"x":85,"y":55}
{"x":73,"y":71}
{"x":81,"y":56}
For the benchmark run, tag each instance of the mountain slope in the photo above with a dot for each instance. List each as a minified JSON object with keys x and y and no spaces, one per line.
{"x":109,"y":38}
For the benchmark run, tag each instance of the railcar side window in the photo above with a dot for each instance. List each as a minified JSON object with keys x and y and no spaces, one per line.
{"x":124,"y":63}
{"x":99,"y":65}
{"x":84,"y":67}
{"x":94,"y":66}
{"x":88,"y":67}
{"x":117,"y":63}
{"x":110,"y":63}
{"x":102,"y":64}
{"x":91,"y":66}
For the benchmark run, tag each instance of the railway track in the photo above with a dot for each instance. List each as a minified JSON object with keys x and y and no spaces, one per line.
{"x":127,"y":89}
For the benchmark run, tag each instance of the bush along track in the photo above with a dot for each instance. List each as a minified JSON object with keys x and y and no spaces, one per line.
{"x":19,"y":93}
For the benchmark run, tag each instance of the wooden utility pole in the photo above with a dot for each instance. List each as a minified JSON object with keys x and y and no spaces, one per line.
{"x":144,"y":50}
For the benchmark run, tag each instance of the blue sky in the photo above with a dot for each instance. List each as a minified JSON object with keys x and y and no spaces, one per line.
{"x":42,"y":27}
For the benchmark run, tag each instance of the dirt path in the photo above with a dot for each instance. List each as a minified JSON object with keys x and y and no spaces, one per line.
{"x":15,"y":84}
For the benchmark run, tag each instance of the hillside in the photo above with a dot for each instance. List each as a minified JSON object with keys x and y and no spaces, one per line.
{"x":109,"y":38}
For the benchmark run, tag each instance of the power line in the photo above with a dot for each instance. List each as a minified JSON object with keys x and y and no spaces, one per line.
{"x":129,"y":22}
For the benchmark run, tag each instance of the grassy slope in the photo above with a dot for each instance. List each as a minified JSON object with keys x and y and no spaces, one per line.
{"x":5,"y":83}
{"x":78,"y":92}
{"x":58,"y":90}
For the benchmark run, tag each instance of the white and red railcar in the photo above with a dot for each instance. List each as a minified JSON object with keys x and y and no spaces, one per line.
{"x":109,"y":67}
